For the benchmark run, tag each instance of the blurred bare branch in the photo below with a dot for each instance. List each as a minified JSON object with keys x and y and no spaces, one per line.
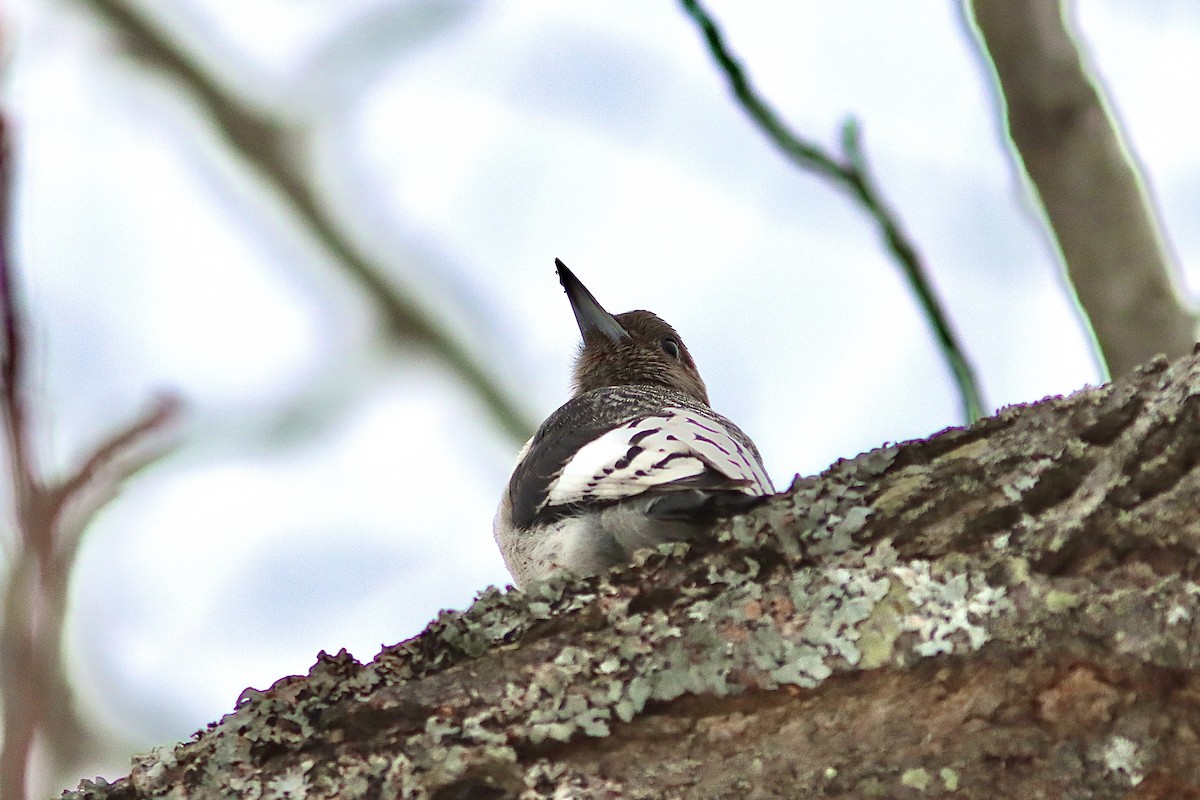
{"x":35,"y":693}
{"x":1095,"y":201}
{"x":266,"y":144}
{"x":850,"y":172}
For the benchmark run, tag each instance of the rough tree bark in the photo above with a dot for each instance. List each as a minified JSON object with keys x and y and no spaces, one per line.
{"x":1008,"y":610}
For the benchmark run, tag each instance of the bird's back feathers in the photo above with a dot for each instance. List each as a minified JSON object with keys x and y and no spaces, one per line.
{"x":617,"y":442}
{"x":624,"y":467}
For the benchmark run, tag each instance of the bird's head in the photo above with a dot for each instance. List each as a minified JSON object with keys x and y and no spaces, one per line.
{"x":633,"y":348}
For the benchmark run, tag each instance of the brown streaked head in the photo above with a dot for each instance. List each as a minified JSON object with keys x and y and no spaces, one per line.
{"x":633,"y":348}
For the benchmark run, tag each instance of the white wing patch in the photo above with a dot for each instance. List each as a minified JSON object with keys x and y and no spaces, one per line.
{"x":653,"y":452}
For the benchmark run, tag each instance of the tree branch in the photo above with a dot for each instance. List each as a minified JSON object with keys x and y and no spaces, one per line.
{"x":12,"y":348}
{"x":851,"y":173}
{"x":112,"y":462}
{"x":267,"y":146}
{"x":35,"y":694}
{"x":1007,"y":610}
{"x":1095,"y":202}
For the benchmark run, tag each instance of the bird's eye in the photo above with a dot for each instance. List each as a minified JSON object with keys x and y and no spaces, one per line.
{"x":671,"y":347}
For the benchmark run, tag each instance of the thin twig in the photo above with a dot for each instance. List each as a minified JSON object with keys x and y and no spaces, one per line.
{"x":267,"y":146}
{"x":852,"y":174}
{"x":164,"y":410}
{"x":115,"y":460}
{"x":910,"y":263}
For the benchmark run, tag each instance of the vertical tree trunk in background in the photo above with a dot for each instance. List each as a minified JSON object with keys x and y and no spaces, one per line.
{"x":1007,"y":610}
{"x":1087,"y":181}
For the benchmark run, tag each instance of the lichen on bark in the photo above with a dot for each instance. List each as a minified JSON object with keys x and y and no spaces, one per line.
{"x":1004,"y":610}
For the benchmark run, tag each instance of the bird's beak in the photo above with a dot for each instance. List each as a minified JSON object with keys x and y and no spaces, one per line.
{"x":590,"y":315}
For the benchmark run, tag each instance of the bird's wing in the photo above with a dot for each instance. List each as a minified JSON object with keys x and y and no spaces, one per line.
{"x":675,"y":449}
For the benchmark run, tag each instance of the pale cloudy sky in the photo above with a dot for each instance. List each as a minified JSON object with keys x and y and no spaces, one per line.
{"x":332,"y":492}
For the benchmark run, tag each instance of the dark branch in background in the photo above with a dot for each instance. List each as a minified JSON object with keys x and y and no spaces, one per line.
{"x":850,"y":172}
{"x":50,"y":518}
{"x":265,"y":144}
{"x":1096,"y":203}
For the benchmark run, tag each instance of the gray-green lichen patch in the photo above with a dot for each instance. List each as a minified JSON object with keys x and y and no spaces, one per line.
{"x":751,"y":628}
{"x":916,"y":778}
{"x":1058,"y":601}
{"x":948,"y":609}
{"x":1121,"y":757}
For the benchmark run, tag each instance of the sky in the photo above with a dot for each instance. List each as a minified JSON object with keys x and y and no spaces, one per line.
{"x":331,"y":491}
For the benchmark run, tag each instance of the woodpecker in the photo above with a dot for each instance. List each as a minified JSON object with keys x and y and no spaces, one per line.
{"x":635,"y":458}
